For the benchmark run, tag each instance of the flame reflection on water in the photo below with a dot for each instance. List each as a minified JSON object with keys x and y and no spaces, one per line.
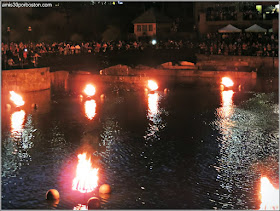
{"x":17,"y":120}
{"x":243,"y":141}
{"x":90,"y":109}
{"x":227,"y":104}
{"x":153,"y":104}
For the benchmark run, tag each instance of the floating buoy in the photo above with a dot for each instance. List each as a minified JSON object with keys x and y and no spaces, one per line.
{"x":102,"y":97}
{"x":93,"y":203}
{"x":104,"y":196}
{"x":52,"y":194}
{"x":165,"y":90}
{"x":34,"y":105}
{"x":239,"y":88}
{"x":105,"y":188}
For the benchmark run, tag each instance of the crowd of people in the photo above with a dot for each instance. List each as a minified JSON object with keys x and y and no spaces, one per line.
{"x":16,"y":55}
{"x":230,"y":13}
{"x":240,"y":44}
{"x":28,"y":54}
{"x":220,"y":14}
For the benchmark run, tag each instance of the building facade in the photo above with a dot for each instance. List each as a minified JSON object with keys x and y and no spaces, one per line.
{"x":211,"y":16}
{"x":151,"y":24}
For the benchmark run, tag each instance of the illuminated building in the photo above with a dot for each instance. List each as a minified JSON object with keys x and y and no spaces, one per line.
{"x":211,"y":16}
{"x":151,"y":24}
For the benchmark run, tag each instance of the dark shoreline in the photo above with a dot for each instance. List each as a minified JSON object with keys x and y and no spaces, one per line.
{"x":153,"y":58}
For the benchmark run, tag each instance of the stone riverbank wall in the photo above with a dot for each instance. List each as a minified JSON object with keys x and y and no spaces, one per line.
{"x":262,"y":65}
{"x":26,"y":80}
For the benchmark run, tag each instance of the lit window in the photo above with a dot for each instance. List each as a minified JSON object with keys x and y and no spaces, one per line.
{"x":144,"y":27}
{"x":259,"y":8}
{"x":138,"y":28}
{"x":150,"y":27}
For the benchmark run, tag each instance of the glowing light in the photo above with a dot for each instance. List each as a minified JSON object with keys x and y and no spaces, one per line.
{"x":16,"y":98}
{"x":152,"y":85}
{"x":90,"y":109}
{"x":227,"y":82}
{"x":269,"y":195}
{"x":153,"y":104}
{"x":89,"y":90}
{"x":227,"y":98}
{"x":154,"y":42}
{"x":86,"y":179}
{"x":17,"y":120}
{"x":227,"y":103}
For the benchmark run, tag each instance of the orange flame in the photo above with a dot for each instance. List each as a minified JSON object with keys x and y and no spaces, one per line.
{"x":152,"y":85}
{"x":90,"y":108}
{"x":86,"y":179}
{"x":16,"y":98}
{"x":89,"y":90}
{"x":17,"y":120}
{"x":227,"y":82}
{"x":269,"y":195}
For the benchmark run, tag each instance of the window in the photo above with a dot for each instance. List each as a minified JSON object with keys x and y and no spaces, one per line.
{"x":144,"y":27}
{"x":138,"y":28}
{"x":150,"y":28}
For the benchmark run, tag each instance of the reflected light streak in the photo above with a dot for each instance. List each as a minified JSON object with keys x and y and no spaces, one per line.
{"x":227,"y":104}
{"x":17,"y":120}
{"x":16,"y":98}
{"x":153,"y":104}
{"x":86,"y":179}
{"x":90,"y":109}
{"x":269,"y":195}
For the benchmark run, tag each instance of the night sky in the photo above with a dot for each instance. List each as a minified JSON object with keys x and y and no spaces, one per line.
{"x":86,"y":20}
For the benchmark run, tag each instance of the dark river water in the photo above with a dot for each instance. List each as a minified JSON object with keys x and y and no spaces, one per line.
{"x":190,"y":147}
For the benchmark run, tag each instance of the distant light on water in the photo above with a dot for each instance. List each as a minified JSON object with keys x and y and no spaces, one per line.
{"x":90,"y":90}
{"x":90,"y":109}
{"x":269,"y":195}
{"x":17,"y":99}
{"x":154,"y":42}
{"x":227,"y":82}
{"x":152,"y":85}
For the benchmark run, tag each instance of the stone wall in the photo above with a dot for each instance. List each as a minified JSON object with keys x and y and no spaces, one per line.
{"x":265,"y":65}
{"x":59,"y":79}
{"x":26,"y":80}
